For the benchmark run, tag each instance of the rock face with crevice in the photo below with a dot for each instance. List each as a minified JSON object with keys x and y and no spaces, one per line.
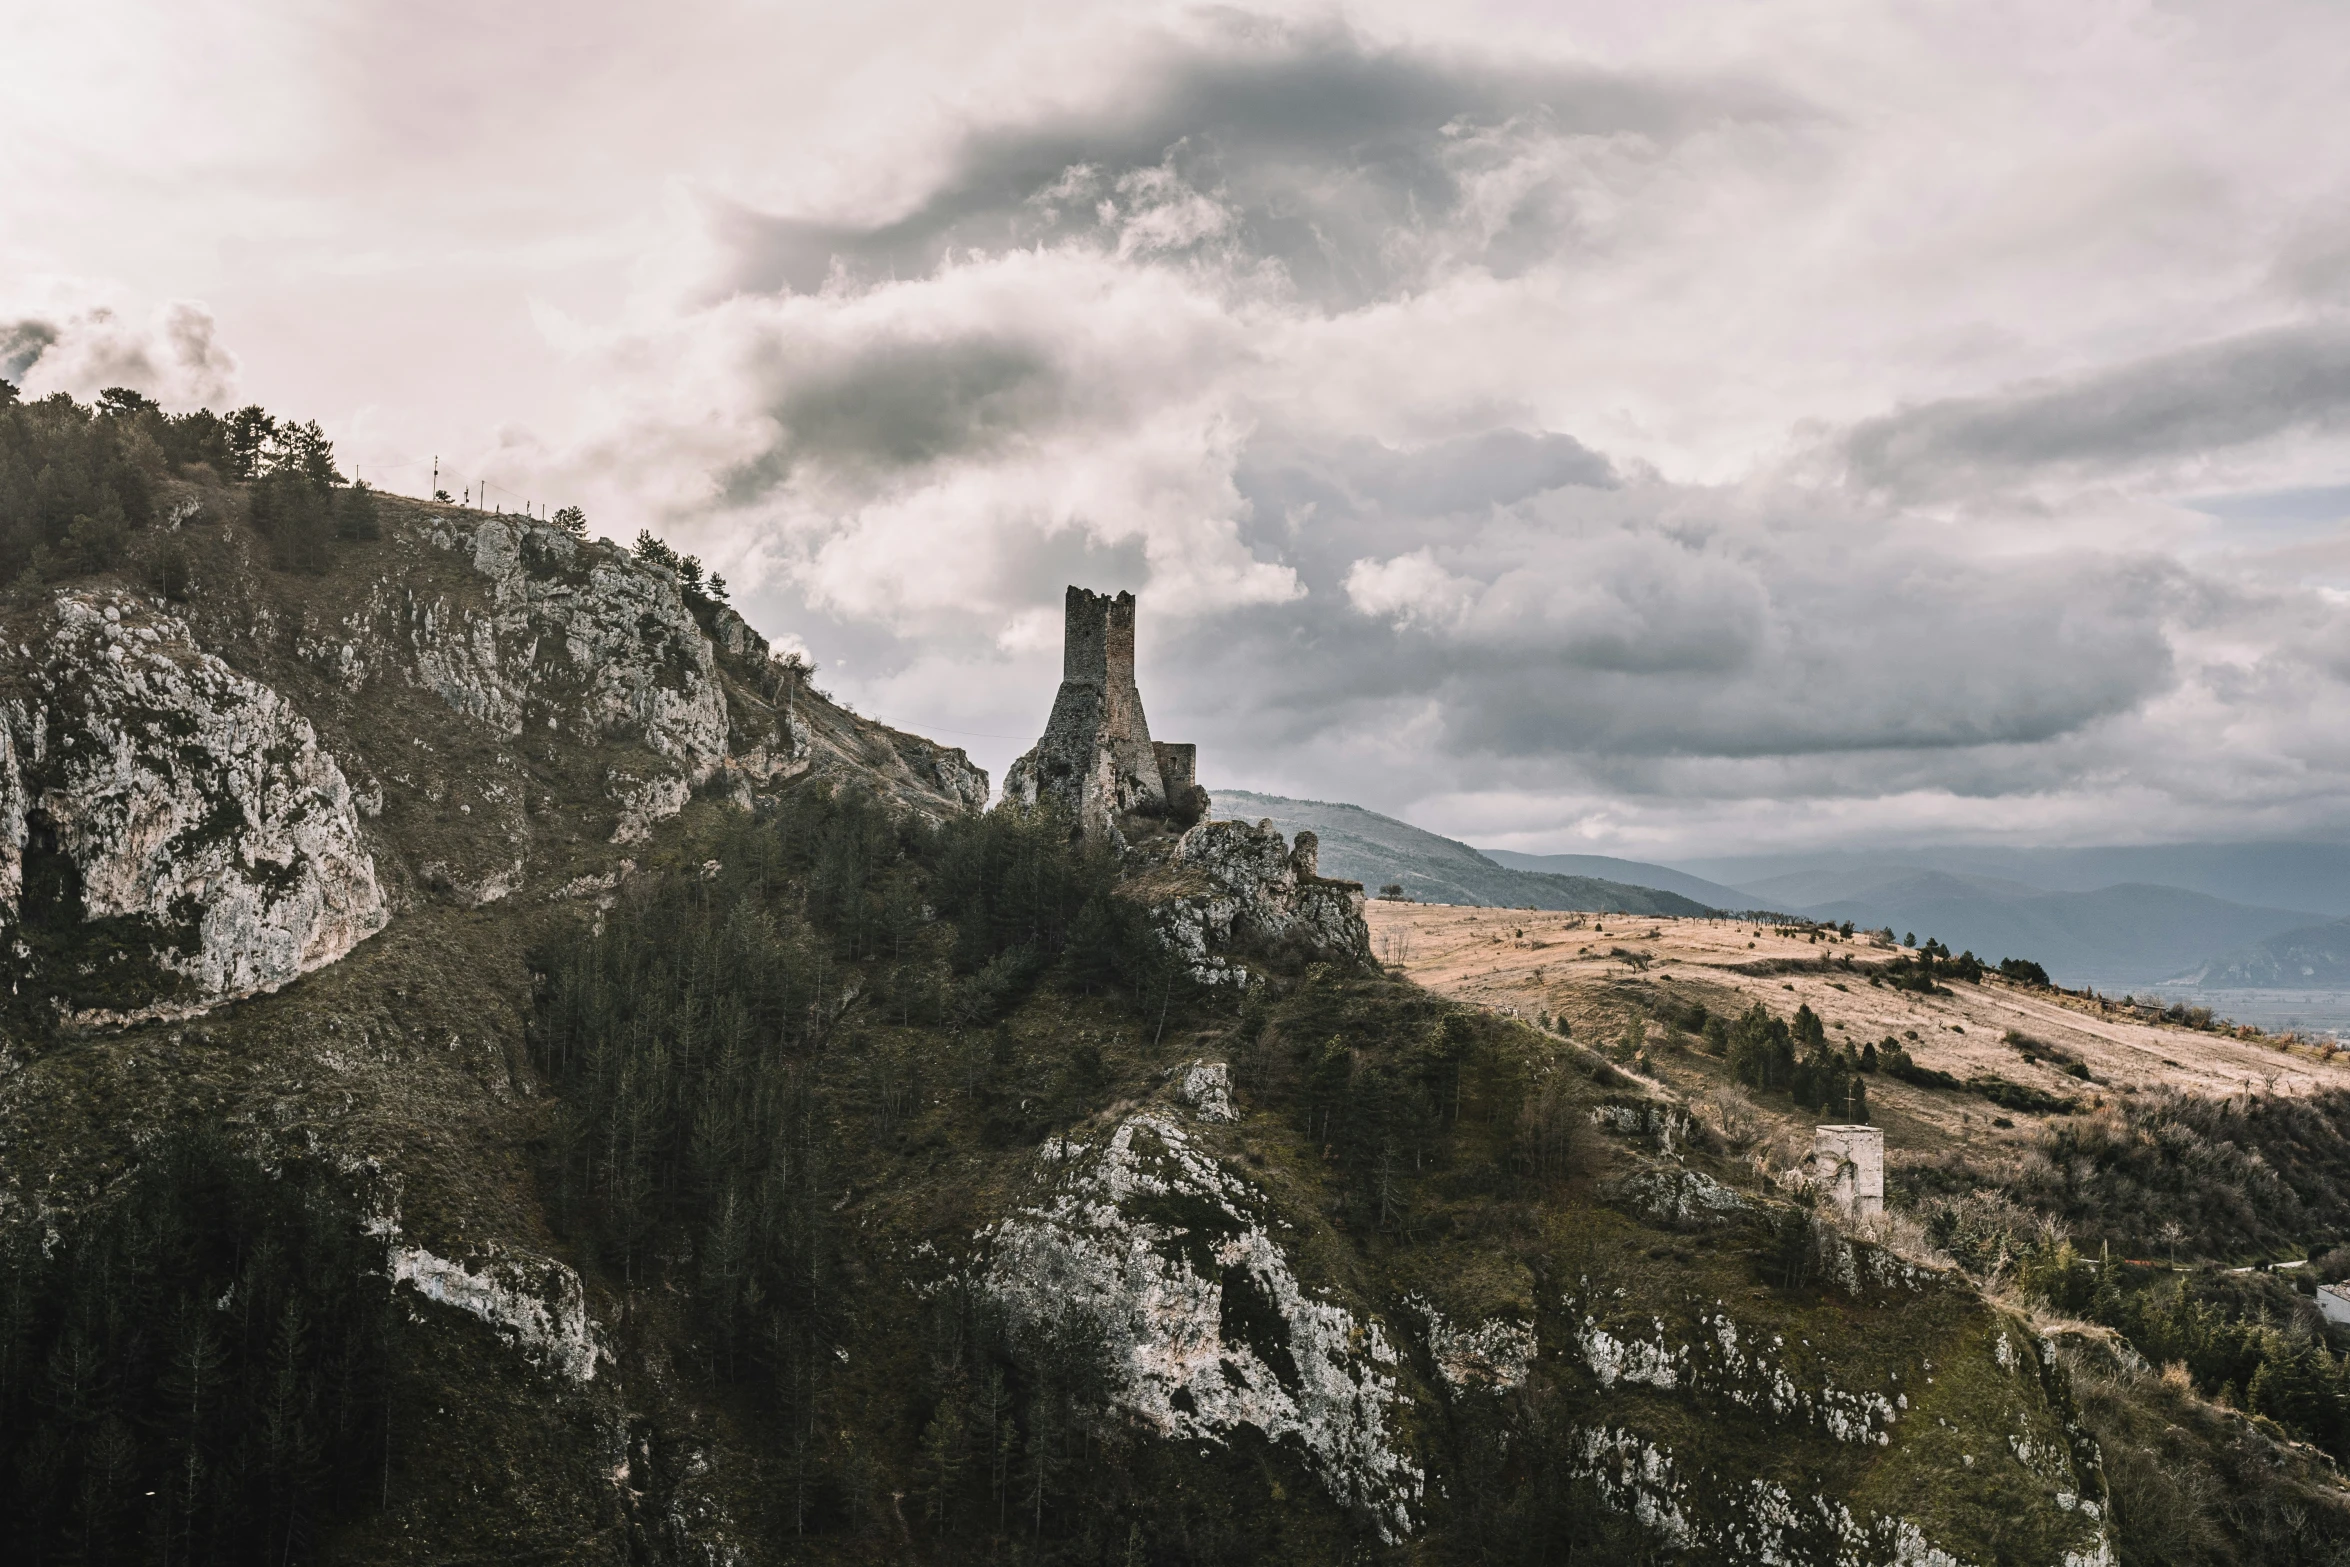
{"x":1143,"y":1246}
{"x":579,"y":638}
{"x":189,"y":815}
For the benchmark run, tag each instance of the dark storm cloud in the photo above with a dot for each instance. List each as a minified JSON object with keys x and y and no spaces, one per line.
{"x":174,"y":355}
{"x":2314,"y":264}
{"x":1369,"y":479}
{"x":1333,"y":158}
{"x":1986,"y":670}
{"x":22,"y":343}
{"x":1629,"y":626}
{"x":893,"y":403}
{"x":2164,"y":408}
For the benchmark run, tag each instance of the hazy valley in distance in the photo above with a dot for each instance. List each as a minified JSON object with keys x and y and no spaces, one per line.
{"x":2230,"y":926}
{"x":2249,"y":930}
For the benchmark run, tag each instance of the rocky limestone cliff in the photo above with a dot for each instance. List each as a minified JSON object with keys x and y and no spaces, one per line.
{"x":571,"y":634}
{"x":1170,"y":1266}
{"x":1231,"y":885}
{"x":148,"y":789}
{"x":203,"y":800}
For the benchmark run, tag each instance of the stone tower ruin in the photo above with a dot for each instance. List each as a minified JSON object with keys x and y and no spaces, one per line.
{"x":1097,"y":756}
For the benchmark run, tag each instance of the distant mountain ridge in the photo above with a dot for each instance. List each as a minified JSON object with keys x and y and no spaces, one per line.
{"x":2126,"y":935}
{"x":2309,"y":957}
{"x":1376,"y":850}
{"x":2312,"y":876}
{"x":2129,"y":934}
{"x":1637,"y":873}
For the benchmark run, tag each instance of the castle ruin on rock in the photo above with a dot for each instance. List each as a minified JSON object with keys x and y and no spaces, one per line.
{"x":1097,"y":756}
{"x":1220,"y":885}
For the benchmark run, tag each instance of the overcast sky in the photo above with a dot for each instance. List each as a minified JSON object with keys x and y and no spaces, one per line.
{"x":1622,"y":428}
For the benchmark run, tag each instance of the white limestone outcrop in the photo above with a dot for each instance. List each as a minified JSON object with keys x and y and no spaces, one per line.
{"x":1206,"y":1086}
{"x":184,"y":795}
{"x":955,"y":775}
{"x":576,"y":640}
{"x":12,"y":821}
{"x":535,"y":1304}
{"x":1149,"y":1248}
{"x":1491,"y":1356}
{"x":1249,"y":884}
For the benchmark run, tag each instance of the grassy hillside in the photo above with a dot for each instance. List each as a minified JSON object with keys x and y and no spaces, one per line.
{"x":2201,"y":1382}
{"x":1376,"y":850}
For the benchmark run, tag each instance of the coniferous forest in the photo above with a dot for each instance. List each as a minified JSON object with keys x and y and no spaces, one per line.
{"x":78,"y":482}
{"x":196,"y":1372}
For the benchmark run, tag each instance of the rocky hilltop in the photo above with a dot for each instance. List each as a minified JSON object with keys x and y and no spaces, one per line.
{"x":497,"y":1064}
{"x":203,"y":799}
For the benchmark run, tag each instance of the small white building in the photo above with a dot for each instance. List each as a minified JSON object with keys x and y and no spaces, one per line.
{"x":2333,"y":1300}
{"x":1848,"y":1165}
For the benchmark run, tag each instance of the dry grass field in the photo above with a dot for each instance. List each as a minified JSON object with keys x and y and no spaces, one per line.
{"x":1597,"y":973}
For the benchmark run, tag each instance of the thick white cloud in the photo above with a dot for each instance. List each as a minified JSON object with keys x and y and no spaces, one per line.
{"x":926,"y":455}
{"x":1673,"y":429}
{"x":173,"y":354}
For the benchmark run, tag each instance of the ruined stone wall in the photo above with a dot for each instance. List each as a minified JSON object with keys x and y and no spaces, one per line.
{"x":1848,"y":1162}
{"x":1097,"y":756}
{"x":1085,"y":638}
{"x":1178,"y":766}
{"x":1125,"y":730}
